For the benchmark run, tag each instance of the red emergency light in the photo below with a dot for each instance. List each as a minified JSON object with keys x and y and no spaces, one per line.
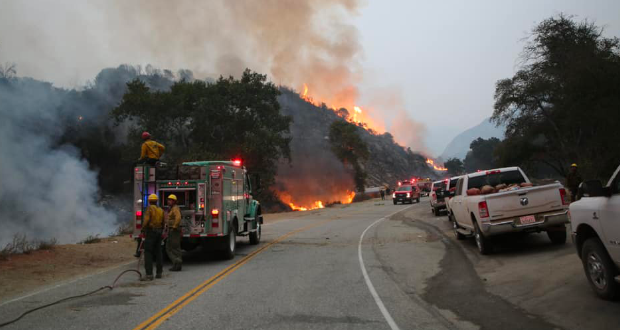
{"x":237,"y":162}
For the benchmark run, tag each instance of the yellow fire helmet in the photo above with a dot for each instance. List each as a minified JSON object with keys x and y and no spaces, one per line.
{"x":173,"y":197}
{"x":153,"y":197}
{"x":573,"y":165}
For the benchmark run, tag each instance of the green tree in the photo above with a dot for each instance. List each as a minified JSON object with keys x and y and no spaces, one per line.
{"x":200,"y":121}
{"x":481,"y":154}
{"x":349,"y":147}
{"x":561,"y":107}
{"x":455,"y":166}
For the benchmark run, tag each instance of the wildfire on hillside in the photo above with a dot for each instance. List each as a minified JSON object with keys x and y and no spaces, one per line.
{"x":346,"y":198}
{"x":357,"y":117}
{"x":436,"y":167}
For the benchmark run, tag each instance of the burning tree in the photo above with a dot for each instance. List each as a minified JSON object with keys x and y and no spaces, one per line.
{"x":349,"y":147}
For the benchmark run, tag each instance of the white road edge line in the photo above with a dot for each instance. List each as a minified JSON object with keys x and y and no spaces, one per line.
{"x":371,"y":287}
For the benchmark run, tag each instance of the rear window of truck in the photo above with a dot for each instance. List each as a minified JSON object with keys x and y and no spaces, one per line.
{"x":493,"y":179}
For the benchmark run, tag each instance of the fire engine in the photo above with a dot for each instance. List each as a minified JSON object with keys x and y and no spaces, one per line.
{"x":215,"y":198}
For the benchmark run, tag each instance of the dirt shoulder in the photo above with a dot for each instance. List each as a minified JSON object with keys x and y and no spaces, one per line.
{"x":25,"y":273}
{"x":22,"y":274}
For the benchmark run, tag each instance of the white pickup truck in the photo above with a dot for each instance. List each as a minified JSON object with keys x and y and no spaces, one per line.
{"x":516,"y":207}
{"x":595,"y":222}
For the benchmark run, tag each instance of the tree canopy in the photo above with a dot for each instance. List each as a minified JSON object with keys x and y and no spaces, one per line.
{"x":455,"y":166}
{"x":562,"y":105}
{"x":349,"y":147}
{"x":197,"y":120}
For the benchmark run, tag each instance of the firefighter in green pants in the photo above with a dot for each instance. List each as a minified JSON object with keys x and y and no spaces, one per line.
{"x":152,"y":228}
{"x":173,"y":245}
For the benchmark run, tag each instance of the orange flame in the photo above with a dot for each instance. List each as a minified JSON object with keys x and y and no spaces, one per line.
{"x":356,"y":117}
{"x":437,"y":168}
{"x":288,"y":199}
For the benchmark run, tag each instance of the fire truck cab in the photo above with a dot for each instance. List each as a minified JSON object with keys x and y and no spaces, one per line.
{"x":215,"y":198}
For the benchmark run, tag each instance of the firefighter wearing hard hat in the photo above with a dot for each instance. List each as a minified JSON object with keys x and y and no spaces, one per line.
{"x":151,"y":150}
{"x":152,"y":228}
{"x":173,"y":245}
{"x":573,"y":179}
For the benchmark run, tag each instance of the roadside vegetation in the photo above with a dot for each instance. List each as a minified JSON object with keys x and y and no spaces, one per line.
{"x":22,"y":245}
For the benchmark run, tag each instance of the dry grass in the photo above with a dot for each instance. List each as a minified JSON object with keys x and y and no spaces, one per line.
{"x":47,"y":245}
{"x":91,"y":239}
{"x":21,"y":244}
{"x":124,"y":229}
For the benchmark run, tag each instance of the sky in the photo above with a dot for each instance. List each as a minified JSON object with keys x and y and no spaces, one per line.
{"x":427,"y":69}
{"x":447,"y":55}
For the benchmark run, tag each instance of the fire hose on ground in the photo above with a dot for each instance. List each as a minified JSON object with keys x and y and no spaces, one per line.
{"x":109,"y":287}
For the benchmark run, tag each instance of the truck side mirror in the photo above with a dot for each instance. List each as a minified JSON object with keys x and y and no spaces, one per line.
{"x":591,"y":188}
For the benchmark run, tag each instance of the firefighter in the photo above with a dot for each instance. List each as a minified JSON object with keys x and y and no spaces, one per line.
{"x":152,"y":228}
{"x":173,"y":245}
{"x":382,"y":192}
{"x":573,"y":179}
{"x":151,"y":150}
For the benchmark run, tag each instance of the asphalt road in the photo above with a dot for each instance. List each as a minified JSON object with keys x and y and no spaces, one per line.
{"x":370,"y":265}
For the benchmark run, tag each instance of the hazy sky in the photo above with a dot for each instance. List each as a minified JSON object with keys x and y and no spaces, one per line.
{"x":438,"y":61}
{"x":447,"y":55}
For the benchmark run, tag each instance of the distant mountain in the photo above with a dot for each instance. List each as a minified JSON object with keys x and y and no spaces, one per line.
{"x":459,"y":146}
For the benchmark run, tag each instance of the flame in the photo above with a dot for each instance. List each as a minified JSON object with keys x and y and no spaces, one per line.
{"x":285,"y":197}
{"x":357,"y":110}
{"x":437,"y":168}
{"x":357,"y":117}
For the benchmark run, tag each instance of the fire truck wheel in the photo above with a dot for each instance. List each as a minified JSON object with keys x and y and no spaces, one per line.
{"x":255,"y":236}
{"x":229,"y":244}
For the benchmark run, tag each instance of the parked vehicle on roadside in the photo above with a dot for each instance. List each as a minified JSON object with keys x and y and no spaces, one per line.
{"x":406,"y":194}
{"x":595,"y":222}
{"x":438,"y":193}
{"x":501,"y":201}
{"x":451,"y":188}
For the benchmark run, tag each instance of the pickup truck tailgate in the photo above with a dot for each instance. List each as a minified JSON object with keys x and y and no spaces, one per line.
{"x":524,"y":201}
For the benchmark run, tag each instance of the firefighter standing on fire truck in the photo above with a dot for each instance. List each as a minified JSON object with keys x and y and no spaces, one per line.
{"x":152,"y":228}
{"x":151,"y":150}
{"x":173,"y":245}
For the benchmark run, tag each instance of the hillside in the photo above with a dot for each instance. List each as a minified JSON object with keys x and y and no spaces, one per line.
{"x":459,"y":146}
{"x":316,"y":171}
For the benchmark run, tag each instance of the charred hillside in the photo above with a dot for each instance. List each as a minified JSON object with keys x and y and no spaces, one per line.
{"x":311,"y":156}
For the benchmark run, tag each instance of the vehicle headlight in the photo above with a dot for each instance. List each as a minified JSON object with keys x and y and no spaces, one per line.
{"x":393,"y":195}
{"x":408,"y":194}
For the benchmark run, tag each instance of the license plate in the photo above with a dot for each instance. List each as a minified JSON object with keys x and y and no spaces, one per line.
{"x":527,"y":219}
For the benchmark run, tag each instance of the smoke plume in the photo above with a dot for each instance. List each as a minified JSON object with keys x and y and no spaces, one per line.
{"x":47,"y":191}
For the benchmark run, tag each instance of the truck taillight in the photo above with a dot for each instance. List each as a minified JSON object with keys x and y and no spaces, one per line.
{"x":483,"y":209}
{"x":215,"y":221}
{"x":564,"y":196}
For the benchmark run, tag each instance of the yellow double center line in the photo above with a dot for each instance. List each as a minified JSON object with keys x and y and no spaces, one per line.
{"x":161,"y":316}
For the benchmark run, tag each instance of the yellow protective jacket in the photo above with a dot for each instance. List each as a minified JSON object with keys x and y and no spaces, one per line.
{"x":152,"y":149}
{"x":174,"y":217}
{"x":153,"y":218}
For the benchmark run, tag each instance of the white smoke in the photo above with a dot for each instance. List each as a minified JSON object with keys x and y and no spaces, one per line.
{"x":46,"y":190}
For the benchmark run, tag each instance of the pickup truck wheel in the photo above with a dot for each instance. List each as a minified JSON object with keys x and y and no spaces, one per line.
{"x":394,"y":202}
{"x":229,"y":243}
{"x":434,"y":211}
{"x":255,"y":236}
{"x":600,"y":269}
{"x":417,"y":200}
{"x":484,"y":244}
{"x":458,"y":235}
{"x":557,"y":236}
